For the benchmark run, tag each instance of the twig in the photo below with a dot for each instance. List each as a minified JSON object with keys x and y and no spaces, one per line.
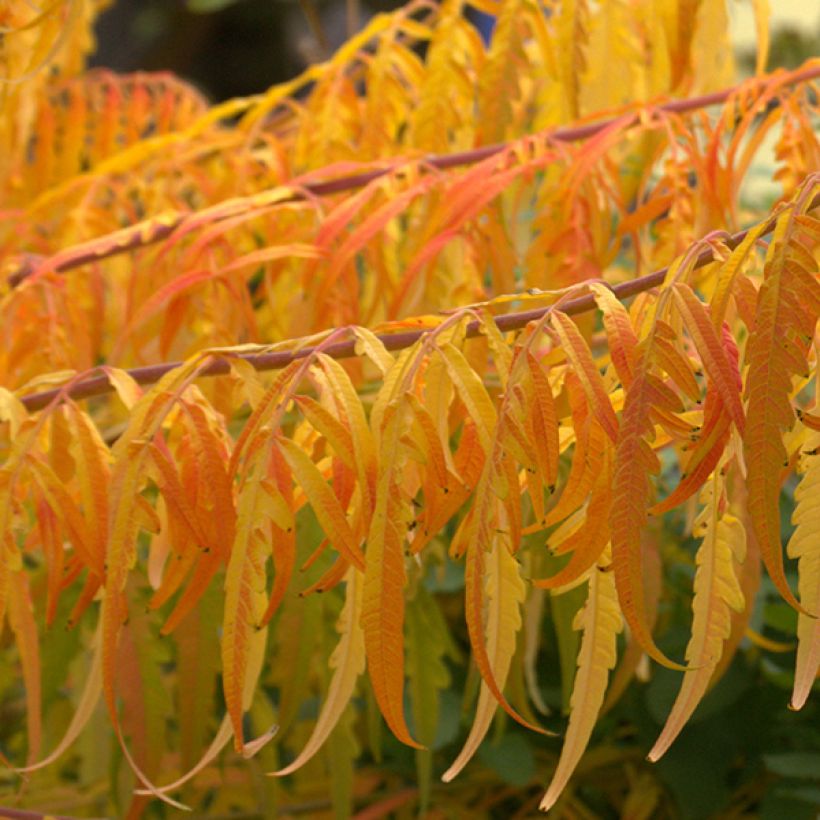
{"x":149,"y":232}
{"x":99,"y":385}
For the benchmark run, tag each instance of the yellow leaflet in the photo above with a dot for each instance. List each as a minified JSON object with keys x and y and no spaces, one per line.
{"x":805,"y":546}
{"x":717,"y":590}
{"x":12,"y":410}
{"x":601,"y":622}
{"x":384,"y":579}
{"x":248,"y":386}
{"x":243,"y":640}
{"x":505,"y":594}
{"x":323,"y":500}
{"x":93,"y":474}
{"x":433,"y":115}
{"x":472,"y":392}
{"x":368,"y":344}
{"x":275,"y":506}
{"x":500,"y":78}
{"x":394,"y":378}
{"x":348,"y":661}
{"x":501,"y":350}
{"x":728,"y":271}
{"x":334,"y":431}
{"x":125,"y":386}
{"x":352,"y":413}
{"x":580,"y":358}
{"x":762,"y":12}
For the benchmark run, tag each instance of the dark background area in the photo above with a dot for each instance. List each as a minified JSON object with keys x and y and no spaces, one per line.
{"x":227,"y":48}
{"x":232,"y":48}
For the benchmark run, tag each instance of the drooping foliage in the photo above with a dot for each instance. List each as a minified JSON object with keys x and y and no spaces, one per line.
{"x":392,"y":321}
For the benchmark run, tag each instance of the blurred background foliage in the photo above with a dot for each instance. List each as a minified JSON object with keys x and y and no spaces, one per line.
{"x":742,"y":755}
{"x":235,"y":47}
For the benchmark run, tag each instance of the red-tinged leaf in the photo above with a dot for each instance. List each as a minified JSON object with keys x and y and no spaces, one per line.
{"x":644,"y":214}
{"x":54,"y":553}
{"x":634,"y":461}
{"x":372,"y":225}
{"x":206,"y":567}
{"x":175,"y":495}
{"x":483,"y":528}
{"x":545,"y":422}
{"x":666,"y":354}
{"x":252,"y":434}
{"x":622,"y":340}
{"x":587,"y":462}
{"x":714,"y":435}
{"x":87,"y":594}
{"x":469,"y":457}
{"x":432,"y":444}
{"x":788,"y":306}
{"x":332,"y":576}
{"x":718,"y":364}
{"x":583,"y":366}
{"x":65,"y":508}
{"x":384,"y":577}
{"x":215,"y":484}
{"x":633,"y":653}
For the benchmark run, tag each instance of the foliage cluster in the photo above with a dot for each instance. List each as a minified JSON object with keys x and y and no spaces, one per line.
{"x":366,"y":335}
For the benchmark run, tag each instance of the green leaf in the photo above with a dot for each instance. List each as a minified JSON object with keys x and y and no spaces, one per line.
{"x":208,"y":6}
{"x":794,"y":764}
{"x":510,"y":757}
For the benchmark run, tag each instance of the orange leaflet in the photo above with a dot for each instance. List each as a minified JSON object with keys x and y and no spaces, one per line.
{"x":545,"y":422}
{"x":788,"y":306}
{"x":634,"y":462}
{"x":282,"y":533}
{"x":587,"y":543}
{"x":621,"y":337}
{"x":718,"y":364}
{"x":323,"y":500}
{"x":384,"y":576}
{"x":579,"y":356}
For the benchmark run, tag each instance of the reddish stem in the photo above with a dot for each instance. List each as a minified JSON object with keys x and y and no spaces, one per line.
{"x":140,"y":237}
{"x":99,"y":385}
